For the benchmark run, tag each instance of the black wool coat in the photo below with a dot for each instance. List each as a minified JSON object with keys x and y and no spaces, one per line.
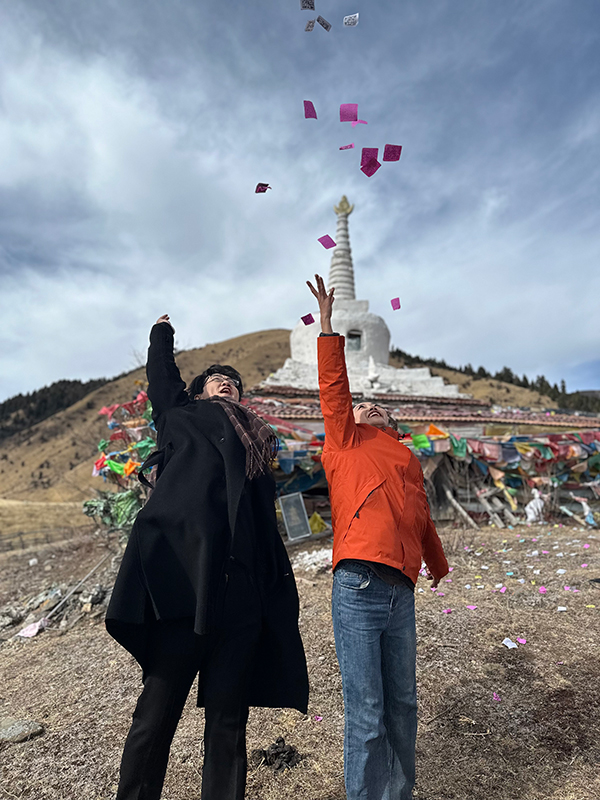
{"x":175,"y":561}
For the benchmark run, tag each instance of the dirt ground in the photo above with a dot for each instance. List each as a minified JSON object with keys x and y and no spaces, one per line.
{"x":539,"y":741}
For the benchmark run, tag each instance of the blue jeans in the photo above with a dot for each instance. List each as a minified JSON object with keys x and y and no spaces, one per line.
{"x":375,"y":640}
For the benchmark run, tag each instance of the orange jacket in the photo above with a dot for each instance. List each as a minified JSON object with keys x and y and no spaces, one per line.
{"x":379,"y":508}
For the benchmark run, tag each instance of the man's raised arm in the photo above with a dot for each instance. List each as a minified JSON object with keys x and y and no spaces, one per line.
{"x":336,"y":400}
{"x":166,"y":389}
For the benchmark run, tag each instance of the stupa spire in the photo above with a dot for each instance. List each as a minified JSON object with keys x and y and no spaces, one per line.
{"x":341,"y":272}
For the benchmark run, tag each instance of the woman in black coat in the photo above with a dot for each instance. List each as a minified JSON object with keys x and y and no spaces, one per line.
{"x":205,"y":586}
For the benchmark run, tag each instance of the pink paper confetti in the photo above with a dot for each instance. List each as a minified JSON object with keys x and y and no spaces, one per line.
{"x":585,"y":546}
{"x":521,"y":640}
{"x":359,"y":122}
{"x":371,"y":167}
{"x":583,"y":566}
{"x":317,"y":718}
{"x":447,"y":611}
{"x":502,"y":590}
{"x":368,"y":154}
{"x":567,"y":588}
{"x":347,"y":147}
{"x":392,"y":152}
{"x":327,"y":242}
{"x":349,"y":112}
{"x":309,"y":110}
{"x":440,"y":594}
{"x":542,"y":590}
{"x":472,"y":607}
{"x":545,"y":552}
{"x":261,"y":188}
{"x":308,"y":319}
{"x":450,"y":569}
{"x":395,"y":301}
{"x":448,"y":580}
{"x":497,"y":697}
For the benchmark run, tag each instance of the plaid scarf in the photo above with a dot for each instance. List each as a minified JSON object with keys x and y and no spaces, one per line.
{"x":259,"y":440}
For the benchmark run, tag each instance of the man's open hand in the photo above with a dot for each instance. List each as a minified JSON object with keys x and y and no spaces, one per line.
{"x":436,"y":581}
{"x":325,"y":301}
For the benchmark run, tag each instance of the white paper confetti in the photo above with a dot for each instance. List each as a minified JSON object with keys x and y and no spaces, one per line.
{"x":509,"y":643}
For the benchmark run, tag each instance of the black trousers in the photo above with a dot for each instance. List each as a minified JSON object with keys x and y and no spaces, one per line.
{"x":223,"y":659}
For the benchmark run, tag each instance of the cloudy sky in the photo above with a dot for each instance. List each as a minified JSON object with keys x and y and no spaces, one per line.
{"x":133,"y":133}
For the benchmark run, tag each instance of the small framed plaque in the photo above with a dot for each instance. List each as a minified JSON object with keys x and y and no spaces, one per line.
{"x":294,"y":516}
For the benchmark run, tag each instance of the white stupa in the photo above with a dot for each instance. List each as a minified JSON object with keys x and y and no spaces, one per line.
{"x":367,"y":338}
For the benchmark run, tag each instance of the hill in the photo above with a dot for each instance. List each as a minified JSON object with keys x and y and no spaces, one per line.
{"x":51,"y":461}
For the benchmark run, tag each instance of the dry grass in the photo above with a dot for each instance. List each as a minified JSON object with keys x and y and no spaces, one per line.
{"x":541,"y":742}
{"x":52,"y":461}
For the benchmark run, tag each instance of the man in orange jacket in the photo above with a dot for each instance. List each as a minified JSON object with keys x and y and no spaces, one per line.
{"x":382,"y":531}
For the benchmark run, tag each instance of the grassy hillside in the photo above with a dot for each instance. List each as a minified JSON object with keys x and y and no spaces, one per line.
{"x":51,"y":461}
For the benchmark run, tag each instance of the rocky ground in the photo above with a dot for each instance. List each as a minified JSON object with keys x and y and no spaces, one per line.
{"x":494,"y":722}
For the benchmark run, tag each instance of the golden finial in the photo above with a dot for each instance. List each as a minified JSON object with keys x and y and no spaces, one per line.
{"x":344,"y":207}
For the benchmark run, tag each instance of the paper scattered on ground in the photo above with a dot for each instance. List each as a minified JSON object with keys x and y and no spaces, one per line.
{"x":312,"y":562}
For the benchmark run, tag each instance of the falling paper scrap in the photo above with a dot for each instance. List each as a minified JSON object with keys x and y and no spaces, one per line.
{"x":395,"y":301}
{"x":323,"y":23}
{"x":308,"y":319}
{"x":359,"y":122}
{"x":308,"y":5}
{"x":392,"y":152}
{"x":309,"y":110}
{"x":310,"y":25}
{"x":349,"y":112}
{"x":347,"y":146}
{"x":327,"y":242}
{"x":371,"y":167}
{"x":368,"y":154}
{"x":261,"y":188}
{"x":509,"y":643}
{"x":351,"y":20}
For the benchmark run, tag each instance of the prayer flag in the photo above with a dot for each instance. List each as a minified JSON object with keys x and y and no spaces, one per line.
{"x":395,"y":301}
{"x":308,"y":319}
{"x":348,"y":112}
{"x":327,"y":242}
{"x":392,"y":152}
{"x":308,"y":5}
{"x":347,"y":146}
{"x":351,"y":21}
{"x":261,"y":188}
{"x":310,"y":25}
{"x":323,"y":23}
{"x":309,"y":110}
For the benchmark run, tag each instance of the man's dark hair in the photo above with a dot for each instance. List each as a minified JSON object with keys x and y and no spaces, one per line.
{"x":197,"y":385}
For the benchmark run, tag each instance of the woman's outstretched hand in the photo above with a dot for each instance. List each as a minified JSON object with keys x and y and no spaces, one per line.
{"x":165,"y":318}
{"x":325,"y":301}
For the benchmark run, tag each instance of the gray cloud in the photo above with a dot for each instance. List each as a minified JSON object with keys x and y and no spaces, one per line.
{"x":132,"y":136}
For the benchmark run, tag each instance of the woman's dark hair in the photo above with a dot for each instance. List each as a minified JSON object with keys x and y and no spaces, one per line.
{"x":197,"y":385}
